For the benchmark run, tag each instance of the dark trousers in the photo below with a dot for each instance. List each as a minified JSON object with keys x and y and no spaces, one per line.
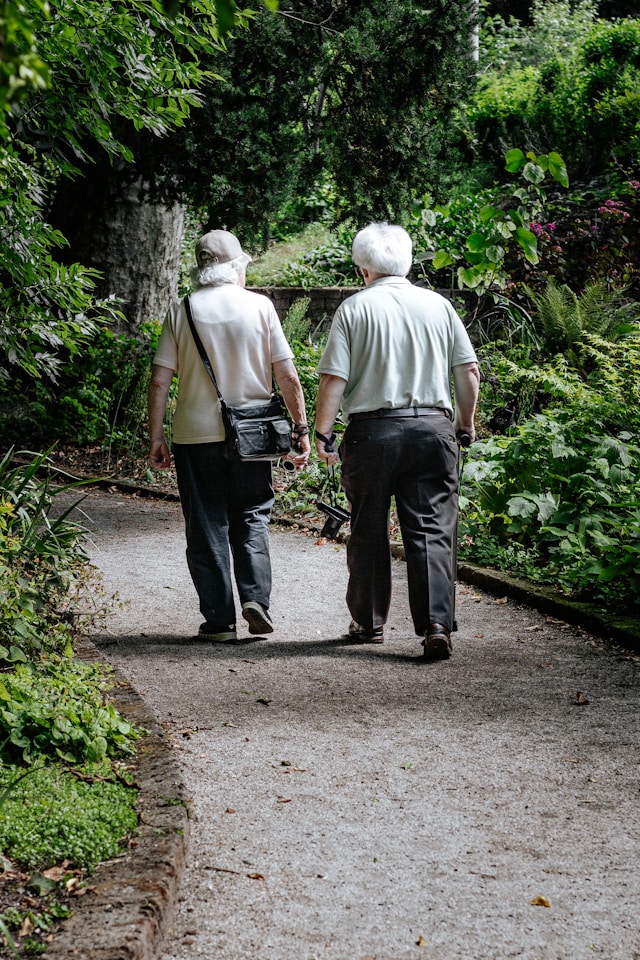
{"x":226,"y":506}
{"x":416,"y":461}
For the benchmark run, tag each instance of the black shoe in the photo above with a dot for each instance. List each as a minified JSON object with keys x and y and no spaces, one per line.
{"x":217,"y":634}
{"x":359,"y":634}
{"x":437,"y":642}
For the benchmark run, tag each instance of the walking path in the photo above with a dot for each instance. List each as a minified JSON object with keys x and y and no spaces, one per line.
{"x":355,"y":803}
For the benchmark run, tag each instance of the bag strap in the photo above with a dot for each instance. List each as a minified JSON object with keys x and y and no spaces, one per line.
{"x":201,"y":349}
{"x":203,"y":352}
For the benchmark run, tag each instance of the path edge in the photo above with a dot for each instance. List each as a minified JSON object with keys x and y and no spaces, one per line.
{"x":132,"y":897}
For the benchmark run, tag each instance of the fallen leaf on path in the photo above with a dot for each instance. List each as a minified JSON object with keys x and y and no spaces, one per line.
{"x":421,"y":942}
{"x":540,"y":902}
{"x":581,"y":700}
{"x":56,"y":873}
{"x":26,"y":928}
{"x":229,"y":810}
{"x":283,"y":800}
{"x":264,"y":700}
{"x":502,"y":600}
{"x":255,"y":876}
{"x":321,"y":541}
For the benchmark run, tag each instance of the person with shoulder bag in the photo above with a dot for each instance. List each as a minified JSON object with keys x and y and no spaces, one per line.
{"x":226,"y":345}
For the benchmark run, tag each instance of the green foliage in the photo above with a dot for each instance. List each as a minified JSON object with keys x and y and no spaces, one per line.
{"x":41,"y":562}
{"x":558,"y":27}
{"x":336,"y":109}
{"x":297,"y":323}
{"x":41,"y":921}
{"x":54,"y":816}
{"x":557,"y":500}
{"x":59,"y":709}
{"x":562,"y":317}
{"x":76,"y":80}
{"x":99,"y":398}
{"x":498,"y":227}
{"x":571,"y":84}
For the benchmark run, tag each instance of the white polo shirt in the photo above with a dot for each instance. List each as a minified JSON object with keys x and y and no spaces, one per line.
{"x":243,"y":337}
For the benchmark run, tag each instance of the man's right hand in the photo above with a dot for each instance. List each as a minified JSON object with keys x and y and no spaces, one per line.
{"x":159,"y":456}
{"x":330,"y":455}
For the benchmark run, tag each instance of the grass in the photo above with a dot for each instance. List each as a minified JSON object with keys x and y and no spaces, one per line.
{"x":266,"y":270}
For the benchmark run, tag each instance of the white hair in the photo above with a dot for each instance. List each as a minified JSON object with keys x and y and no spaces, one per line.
{"x":383,"y":248}
{"x":214,"y":274}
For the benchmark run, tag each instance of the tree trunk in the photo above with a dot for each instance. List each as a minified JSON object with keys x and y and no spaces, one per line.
{"x":135,"y":244}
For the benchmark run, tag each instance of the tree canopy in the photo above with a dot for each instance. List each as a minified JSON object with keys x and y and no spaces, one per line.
{"x":352,"y":97}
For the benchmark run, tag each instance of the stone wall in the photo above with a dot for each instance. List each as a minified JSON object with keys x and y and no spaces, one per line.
{"x":326,"y":300}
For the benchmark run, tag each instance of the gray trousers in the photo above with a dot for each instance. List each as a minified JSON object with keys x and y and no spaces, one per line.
{"x":226,"y":508}
{"x":414,"y":460}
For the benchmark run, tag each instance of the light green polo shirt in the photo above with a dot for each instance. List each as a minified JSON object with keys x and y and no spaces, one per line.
{"x":396,"y":345}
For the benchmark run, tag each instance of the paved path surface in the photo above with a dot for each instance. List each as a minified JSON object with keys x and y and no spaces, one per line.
{"x":355,"y":803}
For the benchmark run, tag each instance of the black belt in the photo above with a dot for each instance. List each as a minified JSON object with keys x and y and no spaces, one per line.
{"x":399,"y":412}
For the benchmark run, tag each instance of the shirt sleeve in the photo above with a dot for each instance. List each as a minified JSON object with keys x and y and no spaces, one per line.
{"x":280,"y":349}
{"x":336,"y":359}
{"x":167,"y":350}
{"x":463,"y":351}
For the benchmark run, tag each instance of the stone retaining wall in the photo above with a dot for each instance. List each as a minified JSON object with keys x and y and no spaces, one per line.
{"x":326,"y":300}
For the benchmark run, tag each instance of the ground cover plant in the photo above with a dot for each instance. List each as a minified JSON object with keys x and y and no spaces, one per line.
{"x":66,"y":797}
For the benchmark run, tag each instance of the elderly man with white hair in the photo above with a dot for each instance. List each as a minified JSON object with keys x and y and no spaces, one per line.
{"x":226,"y":504}
{"x":392,"y":352}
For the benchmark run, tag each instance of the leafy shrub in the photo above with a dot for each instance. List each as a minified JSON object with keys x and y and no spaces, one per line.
{"x":500,"y":227}
{"x":42,"y":562}
{"x":557,"y":500}
{"x":98,"y":395}
{"x":580,"y":98}
{"x":59,"y":709}
{"x":52,"y":816}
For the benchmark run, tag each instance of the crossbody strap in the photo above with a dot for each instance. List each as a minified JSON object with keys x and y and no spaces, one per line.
{"x":201,"y":349}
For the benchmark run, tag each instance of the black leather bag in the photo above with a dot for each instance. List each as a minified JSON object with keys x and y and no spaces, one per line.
{"x":256,"y":432}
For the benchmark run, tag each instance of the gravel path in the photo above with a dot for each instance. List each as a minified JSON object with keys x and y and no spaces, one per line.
{"x":355,"y":803}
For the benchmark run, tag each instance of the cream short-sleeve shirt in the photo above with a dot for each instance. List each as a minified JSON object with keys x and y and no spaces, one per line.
{"x":243,"y":337}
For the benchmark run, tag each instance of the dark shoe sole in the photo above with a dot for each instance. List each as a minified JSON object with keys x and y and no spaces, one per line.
{"x":362,"y":638}
{"x":258,"y":619}
{"x":437,"y":647}
{"x":226,"y":636}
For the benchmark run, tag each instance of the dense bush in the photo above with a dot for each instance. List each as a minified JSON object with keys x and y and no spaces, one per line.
{"x":99,"y":395}
{"x":556,"y":498}
{"x":581,"y":98}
